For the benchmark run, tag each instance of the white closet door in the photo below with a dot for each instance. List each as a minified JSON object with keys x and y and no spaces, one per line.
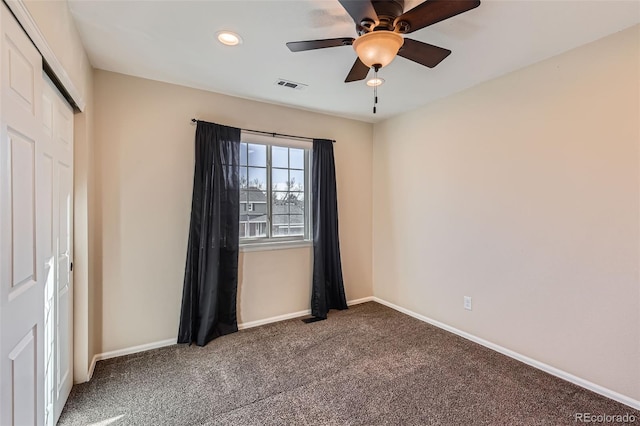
{"x":25,"y":169}
{"x":57,"y":119}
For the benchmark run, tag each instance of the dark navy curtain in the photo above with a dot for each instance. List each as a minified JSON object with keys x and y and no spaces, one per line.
{"x":211,"y":271}
{"x":328,"y":287}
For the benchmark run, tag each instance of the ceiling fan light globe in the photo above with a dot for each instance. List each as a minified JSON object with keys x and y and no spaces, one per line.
{"x":378,"y":47}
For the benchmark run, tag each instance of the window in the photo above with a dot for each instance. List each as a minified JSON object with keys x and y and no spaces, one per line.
{"x":274,"y":190}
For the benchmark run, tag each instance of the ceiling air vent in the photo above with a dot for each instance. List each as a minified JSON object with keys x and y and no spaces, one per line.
{"x":290,"y":84}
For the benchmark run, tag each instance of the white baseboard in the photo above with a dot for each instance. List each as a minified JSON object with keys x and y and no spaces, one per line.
{"x":128,"y":351}
{"x":169,"y":342}
{"x":359,"y":301}
{"x":633,"y":403}
{"x":278,"y":318}
{"x":92,"y":367}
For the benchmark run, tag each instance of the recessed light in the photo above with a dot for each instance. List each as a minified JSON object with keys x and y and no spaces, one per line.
{"x":375,"y":82}
{"x":229,"y":38}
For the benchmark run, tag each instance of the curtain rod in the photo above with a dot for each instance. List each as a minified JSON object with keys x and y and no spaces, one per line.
{"x":281,"y":135}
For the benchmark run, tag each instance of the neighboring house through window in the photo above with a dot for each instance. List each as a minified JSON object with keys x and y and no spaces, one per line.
{"x":274,"y":189}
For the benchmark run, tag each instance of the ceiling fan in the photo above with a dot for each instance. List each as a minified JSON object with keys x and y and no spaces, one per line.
{"x":380,"y":25}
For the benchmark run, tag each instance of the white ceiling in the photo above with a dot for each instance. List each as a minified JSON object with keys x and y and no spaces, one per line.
{"x":175,"y":41}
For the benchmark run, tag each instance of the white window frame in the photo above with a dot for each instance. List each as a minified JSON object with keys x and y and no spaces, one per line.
{"x":276,"y":242}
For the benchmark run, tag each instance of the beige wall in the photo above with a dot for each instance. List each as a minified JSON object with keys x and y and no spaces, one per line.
{"x":523,"y":193}
{"x":144,"y":155}
{"x":56,"y":25}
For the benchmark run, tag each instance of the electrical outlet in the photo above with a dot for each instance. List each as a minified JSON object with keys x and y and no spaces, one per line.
{"x":467,"y":303}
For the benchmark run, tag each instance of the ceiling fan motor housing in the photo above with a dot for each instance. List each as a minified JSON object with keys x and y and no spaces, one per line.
{"x":387,"y":12}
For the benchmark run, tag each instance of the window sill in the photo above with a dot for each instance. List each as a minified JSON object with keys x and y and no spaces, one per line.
{"x":274,"y":245}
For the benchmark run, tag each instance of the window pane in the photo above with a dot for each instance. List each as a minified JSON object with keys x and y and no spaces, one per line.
{"x":280,"y":225}
{"x":257,"y":197}
{"x":244,"y":179}
{"x":257,"y":155}
{"x":296,"y":157}
{"x":257,"y":178}
{"x":254,"y":213}
{"x":280,"y":179}
{"x":279,"y":157}
{"x":258,"y":209}
{"x":296,"y":224}
{"x":296,"y":202}
{"x":296,"y":180}
{"x":279,"y":202}
{"x":243,"y":154}
{"x":258,"y":227}
{"x":243,"y":225}
{"x":243,"y":204}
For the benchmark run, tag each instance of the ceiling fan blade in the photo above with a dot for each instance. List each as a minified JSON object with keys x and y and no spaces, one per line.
{"x":432,"y":11}
{"x":423,"y":53}
{"x":358,"y":72}
{"x":359,"y":10}
{"x":299,"y":46}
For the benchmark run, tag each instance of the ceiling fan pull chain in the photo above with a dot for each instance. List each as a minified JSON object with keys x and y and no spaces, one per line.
{"x":375,"y":98}
{"x":375,"y":88}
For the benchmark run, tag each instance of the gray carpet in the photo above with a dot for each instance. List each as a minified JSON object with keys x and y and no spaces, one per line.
{"x":369,"y":365}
